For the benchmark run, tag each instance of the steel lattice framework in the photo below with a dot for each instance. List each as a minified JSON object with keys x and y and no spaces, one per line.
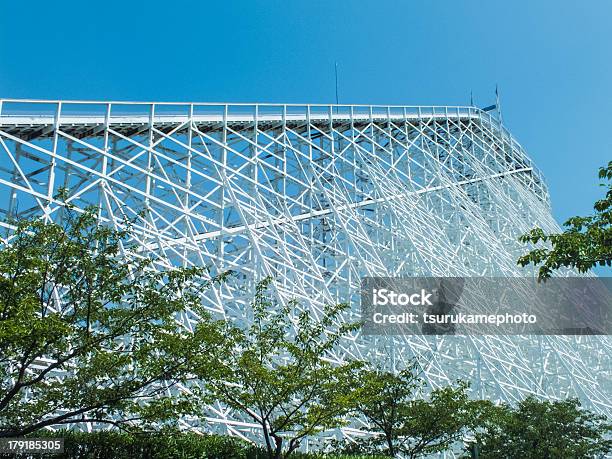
{"x":318,"y":197}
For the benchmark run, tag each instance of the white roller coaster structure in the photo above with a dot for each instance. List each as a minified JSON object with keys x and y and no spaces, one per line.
{"x":318,"y":197}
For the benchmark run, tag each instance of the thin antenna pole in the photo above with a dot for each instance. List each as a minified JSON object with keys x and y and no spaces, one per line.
{"x":471,"y":98}
{"x":498,"y":104}
{"x":336,"y":66}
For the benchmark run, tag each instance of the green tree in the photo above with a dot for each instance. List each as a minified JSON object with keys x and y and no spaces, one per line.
{"x":278,"y":373}
{"x":381,"y":397}
{"x":435,"y":424}
{"x":413,"y":427}
{"x":585,"y":243}
{"x":543,"y":430}
{"x":87,"y":329}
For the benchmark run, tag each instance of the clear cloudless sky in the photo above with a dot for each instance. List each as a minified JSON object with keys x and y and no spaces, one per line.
{"x":551,"y":59}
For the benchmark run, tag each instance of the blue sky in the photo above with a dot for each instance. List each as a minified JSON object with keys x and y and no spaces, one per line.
{"x":551,"y":59}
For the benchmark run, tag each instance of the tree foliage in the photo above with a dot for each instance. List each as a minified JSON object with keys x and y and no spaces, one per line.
{"x":87,"y":329}
{"x":537,"y":429}
{"x":277,"y":371}
{"x":585,"y":243}
{"x":407,"y":424}
{"x":434,"y":424}
{"x":381,"y":397}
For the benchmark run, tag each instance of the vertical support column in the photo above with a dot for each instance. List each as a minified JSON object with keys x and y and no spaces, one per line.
{"x":255,"y":150}
{"x":221,"y":245}
{"x":372,"y":179}
{"x":372,"y":132}
{"x":392,"y":160}
{"x":255,"y":174}
{"x":103,"y":184}
{"x":186,"y":202}
{"x":148,"y":183}
{"x":356,"y":187}
{"x":390,"y":134}
{"x":310,"y":180}
{"x":331,"y":132}
{"x":421,"y":141}
{"x":283,"y":179}
{"x":406,"y":145}
{"x":150,"y":232}
{"x":445,"y":208}
{"x":52,"y":166}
